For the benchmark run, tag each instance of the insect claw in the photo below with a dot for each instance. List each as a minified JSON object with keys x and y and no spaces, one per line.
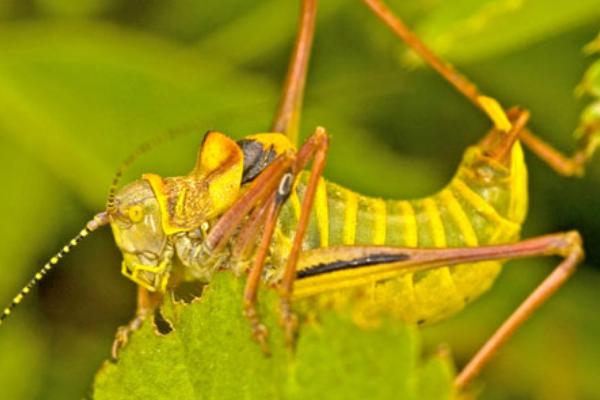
{"x":123,"y":334}
{"x":121,"y":339}
{"x":260,"y":333}
{"x":289,"y":320}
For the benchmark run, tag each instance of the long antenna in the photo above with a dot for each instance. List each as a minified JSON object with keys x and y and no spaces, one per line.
{"x":139,"y":151}
{"x":98,"y":221}
{"x":142,"y":149}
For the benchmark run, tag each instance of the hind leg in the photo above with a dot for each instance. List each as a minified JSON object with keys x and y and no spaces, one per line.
{"x":329,"y":269}
{"x":589,"y":131}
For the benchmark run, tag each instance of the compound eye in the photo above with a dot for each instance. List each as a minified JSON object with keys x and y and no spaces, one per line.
{"x":136,"y":213}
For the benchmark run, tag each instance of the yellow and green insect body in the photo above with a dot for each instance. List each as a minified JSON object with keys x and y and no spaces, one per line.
{"x":155,"y":218}
{"x":485,"y":203}
{"x":248,"y":206}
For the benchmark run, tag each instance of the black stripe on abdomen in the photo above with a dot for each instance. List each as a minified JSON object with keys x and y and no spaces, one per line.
{"x":351,"y":264}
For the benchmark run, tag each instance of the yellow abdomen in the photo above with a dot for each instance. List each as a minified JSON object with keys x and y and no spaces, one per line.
{"x":485,"y":203}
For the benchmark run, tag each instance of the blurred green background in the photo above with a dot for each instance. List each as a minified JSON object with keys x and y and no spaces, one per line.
{"x":83,"y":82}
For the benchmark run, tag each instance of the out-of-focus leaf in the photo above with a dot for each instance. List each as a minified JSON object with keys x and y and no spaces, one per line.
{"x":187,"y":19}
{"x":588,"y":130}
{"x":70,"y":8}
{"x":108,"y":102}
{"x":23,"y":356}
{"x":75,"y":100}
{"x":91,"y":94}
{"x":593,"y":46}
{"x":255,"y":28}
{"x":29,"y":204}
{"x":352,"y":142}
{"x":210,"y":355}
{"x":86,"y":95}
{"x":430,"y":386}
{"x":6,"y":9}
{"x":469,"y":30}
{"x":591,"y":81}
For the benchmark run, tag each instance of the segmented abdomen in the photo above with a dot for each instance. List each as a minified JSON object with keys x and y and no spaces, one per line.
{"x":485,"y":203}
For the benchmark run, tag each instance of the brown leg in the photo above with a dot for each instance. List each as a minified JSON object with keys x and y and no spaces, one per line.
{"x":486,"y":103}
{"x":288,"y":113}
{"x":315,"y":147}
{"x":460,"y":82}
{"x":147,"y":302}
{"x":286,"y":121}
{"x":544,"y":291}
{"x":503,"y":142}
{"x":259,"y":331}
{"x":317,"y":276}
{"x":573,"y":165}
{"x":245,"y":242}
{"x":564,"y":165}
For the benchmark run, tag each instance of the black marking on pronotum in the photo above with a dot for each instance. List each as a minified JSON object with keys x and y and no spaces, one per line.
{"x":373,"y":259}
{"x":256,"y":158}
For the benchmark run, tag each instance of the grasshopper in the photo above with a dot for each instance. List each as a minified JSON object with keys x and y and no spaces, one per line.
{"x":253,"y":207}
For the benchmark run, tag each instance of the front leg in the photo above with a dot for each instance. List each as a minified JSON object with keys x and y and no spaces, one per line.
{"x":315,"y":148}
{"x":266,"y":215}
{"x":147,"y":302}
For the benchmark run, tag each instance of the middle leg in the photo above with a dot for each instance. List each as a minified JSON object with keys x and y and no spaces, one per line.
{"x":314,"y":148}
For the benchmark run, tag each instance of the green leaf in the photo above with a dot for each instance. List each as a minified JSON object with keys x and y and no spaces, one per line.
{"x":69,"y":8}
{"x":588,"y":130}
{"x":188,"y":20}
{"x":210,"y":355}
{"x":23,"y":356}
{"x":90,"y":93}
{"x":76,"y":99}
{"x":470,"y":30}
{"x":590,"y":84}
{"x":250,"y":28}
{"x":26,"y":208}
